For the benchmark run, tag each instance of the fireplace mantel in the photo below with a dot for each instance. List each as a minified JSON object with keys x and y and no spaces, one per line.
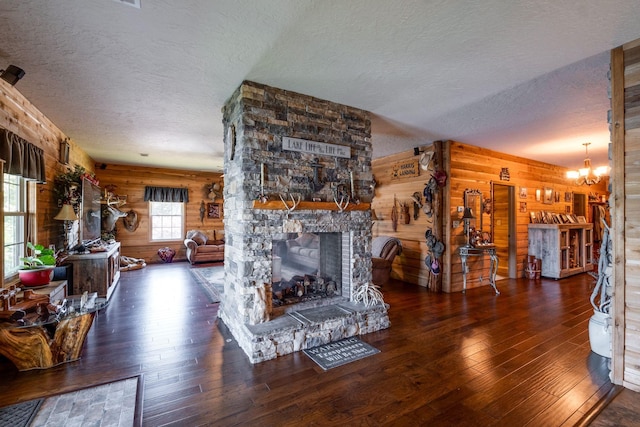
{"x":311,"y":206}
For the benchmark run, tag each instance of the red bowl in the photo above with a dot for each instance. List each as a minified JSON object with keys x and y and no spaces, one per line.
{"x":38,"y":277}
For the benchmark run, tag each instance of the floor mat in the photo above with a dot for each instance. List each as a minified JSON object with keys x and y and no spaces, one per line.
{"x":20,"y":414}
{"x":341,"y":352}
{"x":211,"y":280}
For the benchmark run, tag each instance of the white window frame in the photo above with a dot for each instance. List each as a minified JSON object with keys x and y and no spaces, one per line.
{"x":23,"y":212}
{"x":168,"y":221}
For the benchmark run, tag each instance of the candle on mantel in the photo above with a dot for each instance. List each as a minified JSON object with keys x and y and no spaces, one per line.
{"x":261,"y":177}
{"x":351,"y":179}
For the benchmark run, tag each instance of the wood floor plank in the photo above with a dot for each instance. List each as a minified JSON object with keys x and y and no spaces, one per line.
{"x":447,"y":359}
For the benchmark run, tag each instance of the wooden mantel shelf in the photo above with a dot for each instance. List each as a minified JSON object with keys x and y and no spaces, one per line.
{"x":314,"y":206}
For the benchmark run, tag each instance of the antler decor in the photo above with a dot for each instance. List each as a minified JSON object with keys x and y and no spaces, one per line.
{"x":294,"y":202}
{"x":343,"y":203}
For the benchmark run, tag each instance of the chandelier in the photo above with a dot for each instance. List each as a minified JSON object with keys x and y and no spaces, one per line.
{"x":587,"y":175}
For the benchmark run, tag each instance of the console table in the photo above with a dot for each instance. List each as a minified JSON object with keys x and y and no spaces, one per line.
{"x":97,"y":271}
{"x":477,"y":251}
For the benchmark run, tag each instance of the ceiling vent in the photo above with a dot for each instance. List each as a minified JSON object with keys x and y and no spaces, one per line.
{"x":134,"y":3}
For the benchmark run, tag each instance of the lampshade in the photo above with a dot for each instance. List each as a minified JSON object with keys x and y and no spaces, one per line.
{"x":66,"y":214}
{"x":468,"y":214}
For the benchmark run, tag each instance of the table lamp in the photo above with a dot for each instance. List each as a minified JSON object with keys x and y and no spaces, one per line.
{"x":467,"y":217}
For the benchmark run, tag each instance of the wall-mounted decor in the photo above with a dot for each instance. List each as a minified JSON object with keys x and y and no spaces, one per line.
{"x":405,"y":169}
{"x":523,"y":192}
{"x":557,"y":196}
{"x":548,"y":196}
{"x":504,"y":174}
{"x":567,"y":209}
{"x":523,"y":207}
{"x":64,"y":151}
{"x":316,"y":148}
{"x":568,"y":196}
{"x":213,"y":210}
{"x":231,"y":140}
{"x":538,"y":195}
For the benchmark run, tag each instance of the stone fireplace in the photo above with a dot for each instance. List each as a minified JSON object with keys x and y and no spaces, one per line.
{"x":298,"y":187}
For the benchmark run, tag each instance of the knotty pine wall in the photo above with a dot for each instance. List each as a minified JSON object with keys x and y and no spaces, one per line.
{"x":20,"y":116}
{"x":469,"y":167}
{"x":625,"y":138}
{"x":131,"y":180}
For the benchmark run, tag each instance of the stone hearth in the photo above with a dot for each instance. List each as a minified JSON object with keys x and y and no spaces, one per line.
{"x":286,"y":147}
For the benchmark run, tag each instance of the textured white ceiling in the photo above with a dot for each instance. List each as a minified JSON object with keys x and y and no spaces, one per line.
{"x":522,"y":77}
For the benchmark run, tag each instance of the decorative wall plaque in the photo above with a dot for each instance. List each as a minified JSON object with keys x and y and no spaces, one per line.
{"x":317,"y":148}
{"x":405,"y":169}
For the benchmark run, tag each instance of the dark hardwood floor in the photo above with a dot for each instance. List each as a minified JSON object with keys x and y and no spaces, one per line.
{"x":519,"y":358}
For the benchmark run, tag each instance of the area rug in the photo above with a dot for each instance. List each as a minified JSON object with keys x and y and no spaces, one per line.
{"x":341,"y":352}
{"x":117,"y":403}
{"x":211,"y":280}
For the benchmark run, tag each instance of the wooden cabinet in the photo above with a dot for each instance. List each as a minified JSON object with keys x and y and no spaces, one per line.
{"x":565,"y":249}
{"x":96,"y":272}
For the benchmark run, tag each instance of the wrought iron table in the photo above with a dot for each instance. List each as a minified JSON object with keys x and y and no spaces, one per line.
{"x":481,"y":250}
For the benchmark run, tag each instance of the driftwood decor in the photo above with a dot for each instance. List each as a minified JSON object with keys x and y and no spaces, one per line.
{"x":32,"y":347}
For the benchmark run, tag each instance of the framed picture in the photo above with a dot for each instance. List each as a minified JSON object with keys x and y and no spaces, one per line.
{"x":567,"y":209}
{"x":523,"y":206}
{"x":523,"y":192}
{"x":213,"y":210}
{"x":557,"y":196}
{"x":538,"y":195}
{"x":568,"y":196}
{"x":548,"y":196}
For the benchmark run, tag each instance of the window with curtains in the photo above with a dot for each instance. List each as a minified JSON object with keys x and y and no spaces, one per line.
{"x":166,"y":212}
{"x":167,"y":220}
{"x":16,"y":221}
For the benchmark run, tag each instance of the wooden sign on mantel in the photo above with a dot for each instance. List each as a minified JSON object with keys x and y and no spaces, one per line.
{"x":405,"y":169}
{"x":317,"y":148}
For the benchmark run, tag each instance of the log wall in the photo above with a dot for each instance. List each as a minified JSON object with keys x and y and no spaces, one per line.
{"x":21,"y":117}
{"x":131,"y":180}
{"x":625,"y":139}
{"x":468,"y":167}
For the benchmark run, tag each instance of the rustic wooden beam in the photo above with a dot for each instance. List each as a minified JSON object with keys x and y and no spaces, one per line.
{"x":317,"y":206}
{"x":617,"y":202}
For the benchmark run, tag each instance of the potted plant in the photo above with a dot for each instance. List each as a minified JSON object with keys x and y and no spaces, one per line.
{"x":37,"y":267}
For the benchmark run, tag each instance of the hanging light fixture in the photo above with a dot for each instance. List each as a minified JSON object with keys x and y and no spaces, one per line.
{"x":587,"y":175}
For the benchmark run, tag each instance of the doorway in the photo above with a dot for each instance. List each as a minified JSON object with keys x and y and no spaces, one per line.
{"x":503,"y":226}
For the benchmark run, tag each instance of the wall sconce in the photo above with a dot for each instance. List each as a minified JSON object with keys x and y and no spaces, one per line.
{"x":12,"y":74}
{"x":64,"y":151}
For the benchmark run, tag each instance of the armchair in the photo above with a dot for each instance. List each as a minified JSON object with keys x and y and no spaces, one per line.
{"x":202,"y":249}
{"x":383,"y":251}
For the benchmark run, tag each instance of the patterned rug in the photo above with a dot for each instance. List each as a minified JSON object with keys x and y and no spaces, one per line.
{"x":117,"y":404}
{"x":211,"y":280}
{"x":20,"y":414}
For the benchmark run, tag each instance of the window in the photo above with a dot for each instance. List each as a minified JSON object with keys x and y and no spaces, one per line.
{"x":15,"y":222}
{"x":167,"y":219}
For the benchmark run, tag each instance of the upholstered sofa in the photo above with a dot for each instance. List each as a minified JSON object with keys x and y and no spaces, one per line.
{"x":200,"y":248}
{"x":304,"y":250}
{"x":383,"y":251}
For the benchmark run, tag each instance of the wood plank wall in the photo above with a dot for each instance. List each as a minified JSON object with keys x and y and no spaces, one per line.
{"x":409,"y":266}
{"x":131,"y":180}
{"x":20,"y":116}
{"x":469,"y":168}
{"x":625,"y":137}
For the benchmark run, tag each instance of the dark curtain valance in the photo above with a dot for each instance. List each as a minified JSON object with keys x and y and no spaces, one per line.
{"x":166,"y":194}
{"x":21,"y":157}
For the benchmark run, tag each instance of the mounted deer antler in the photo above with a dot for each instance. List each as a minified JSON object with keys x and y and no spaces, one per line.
{"x":343,"y":203}
{"x":294,"y":202}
